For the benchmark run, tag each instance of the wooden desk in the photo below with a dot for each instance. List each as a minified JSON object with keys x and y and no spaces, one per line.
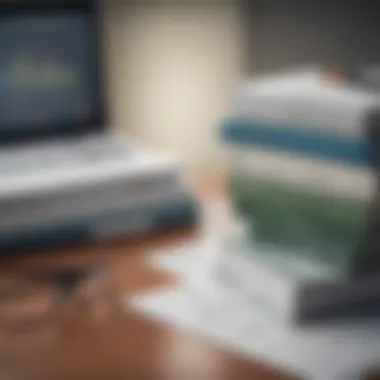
{"x":126,"y":346}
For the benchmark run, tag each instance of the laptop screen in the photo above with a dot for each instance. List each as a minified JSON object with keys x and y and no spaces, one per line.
{"x":48,"y":73}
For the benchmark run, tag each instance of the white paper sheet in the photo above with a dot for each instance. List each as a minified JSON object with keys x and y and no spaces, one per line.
{"x":206,"y":305}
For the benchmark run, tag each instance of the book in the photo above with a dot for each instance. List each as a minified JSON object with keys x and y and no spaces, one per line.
{"x":304,"y":97}
{"x":328,"y":145}
{"x":303,"y":205}
{"x":307,"y":172}
{"x":297,"y":287}
{"x":302,"y":112}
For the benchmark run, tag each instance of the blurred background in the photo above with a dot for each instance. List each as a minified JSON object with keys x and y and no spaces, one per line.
{"x":173,"y":65}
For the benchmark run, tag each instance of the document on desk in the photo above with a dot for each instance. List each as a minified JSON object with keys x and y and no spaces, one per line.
{"x":207,"y":306}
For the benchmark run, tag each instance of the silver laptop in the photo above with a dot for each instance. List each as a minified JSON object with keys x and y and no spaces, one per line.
{"x":52,"y":112}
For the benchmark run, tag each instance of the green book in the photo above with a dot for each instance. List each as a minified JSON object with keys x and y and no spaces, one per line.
{"x":328,"y":227}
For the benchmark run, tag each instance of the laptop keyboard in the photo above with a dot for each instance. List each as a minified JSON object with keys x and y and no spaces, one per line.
{"x":60,"y":156}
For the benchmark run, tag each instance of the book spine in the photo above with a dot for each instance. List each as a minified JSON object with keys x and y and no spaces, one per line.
{"x":308,"y":173}
{"x":329,"y":146}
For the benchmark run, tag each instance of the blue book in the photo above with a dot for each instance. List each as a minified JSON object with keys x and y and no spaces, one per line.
{"x":322,"y":144}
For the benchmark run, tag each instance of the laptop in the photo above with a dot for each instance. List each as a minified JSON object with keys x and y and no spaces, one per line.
{"x":64,"y":176}
{"x":52,"y":103}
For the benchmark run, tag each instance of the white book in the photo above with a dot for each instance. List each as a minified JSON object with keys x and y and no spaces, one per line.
{"x":303,"y":98}
{"x":295,"y":286}
{"x":308,"y":173}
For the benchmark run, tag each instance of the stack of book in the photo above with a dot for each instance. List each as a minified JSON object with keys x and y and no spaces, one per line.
{"x":302,"y":174}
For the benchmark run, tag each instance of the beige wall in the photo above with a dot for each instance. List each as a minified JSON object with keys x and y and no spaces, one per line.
{"x":171,"y":69}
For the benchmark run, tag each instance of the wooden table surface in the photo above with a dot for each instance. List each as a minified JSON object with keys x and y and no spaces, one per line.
{"x":123,"y":345}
